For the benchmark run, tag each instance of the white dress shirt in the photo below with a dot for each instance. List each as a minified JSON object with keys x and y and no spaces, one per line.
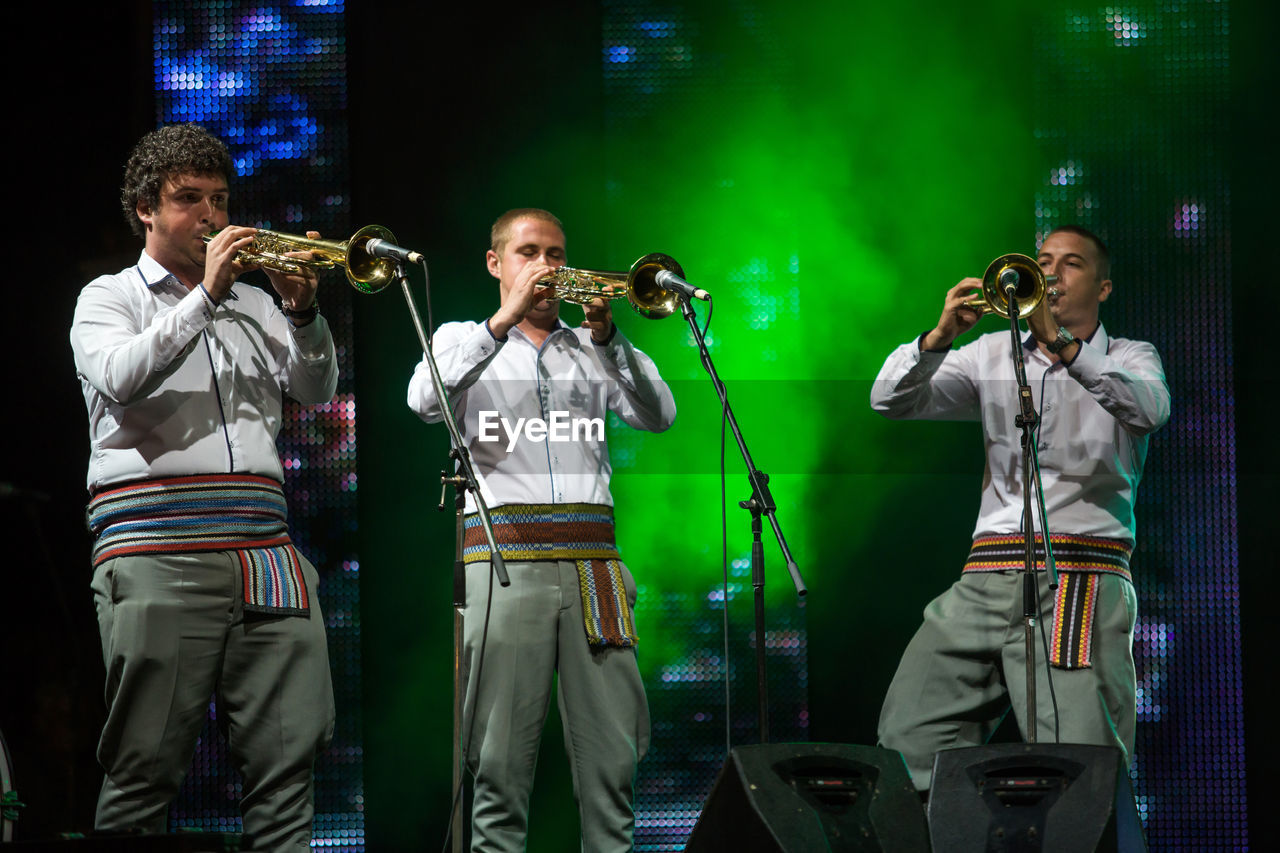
{"x":515,"y":379}
{"x":1095,"y":417}
{"x":175,"y":385}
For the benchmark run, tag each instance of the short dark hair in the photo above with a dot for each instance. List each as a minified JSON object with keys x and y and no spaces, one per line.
{"x":500,"y":233}
{"x":179,"y":149}
{"x":1104,"y":254}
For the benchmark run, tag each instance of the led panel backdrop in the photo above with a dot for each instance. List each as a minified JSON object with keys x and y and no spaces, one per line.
{"x":1132,"y":130}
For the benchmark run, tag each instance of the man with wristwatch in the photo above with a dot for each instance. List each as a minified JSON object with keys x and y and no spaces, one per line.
{"x":198,"y":587}
{"x":1099,"y":399}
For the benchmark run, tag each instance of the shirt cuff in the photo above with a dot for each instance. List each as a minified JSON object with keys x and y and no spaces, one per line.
{"x":197,"y":309}
{"x":920,"y":343}
{"x":496,"y":339}
{"x":1088,"y":364}
{"x":313,"y":340}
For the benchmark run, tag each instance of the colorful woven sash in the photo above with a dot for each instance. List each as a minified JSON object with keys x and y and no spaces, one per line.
{"x":1079,"y":560}
{"x":582,"y":533}
{"x":219,"y":512}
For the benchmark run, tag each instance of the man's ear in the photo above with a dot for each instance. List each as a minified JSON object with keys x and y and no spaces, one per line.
{"x":1104,"y":290}
{"x":143,"y":209}
{"x":494,"y":263}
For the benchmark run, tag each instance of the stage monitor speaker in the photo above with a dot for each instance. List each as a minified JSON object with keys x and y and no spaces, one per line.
{"x":802,"y":797}
{"x":1048,"y":798}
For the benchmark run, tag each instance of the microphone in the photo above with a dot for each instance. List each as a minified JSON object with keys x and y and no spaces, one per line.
{"x":668,"y":280}
{"x":379,"y":248}
{"x":1009,"y":279}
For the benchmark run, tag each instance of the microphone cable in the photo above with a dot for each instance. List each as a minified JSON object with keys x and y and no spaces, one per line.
{"x":724,"y":555}
{"x":1044,"y":638}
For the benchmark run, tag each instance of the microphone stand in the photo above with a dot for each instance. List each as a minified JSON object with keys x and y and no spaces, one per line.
{"x":459,"y":622}
{"x":760,"y":504}
{"x":464,"y":480}
{"x":1027,"y":420}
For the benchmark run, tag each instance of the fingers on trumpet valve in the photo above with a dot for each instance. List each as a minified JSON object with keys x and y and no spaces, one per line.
{"x":545,"y":289}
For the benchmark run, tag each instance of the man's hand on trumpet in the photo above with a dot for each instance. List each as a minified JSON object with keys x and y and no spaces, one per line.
{"x":1043,"y":323}
{"x":221,"y":268}
{"x":297,"y":289}
{"x":957,"y":317}
{"x":599,"y":317}
{"x":527,"y":293}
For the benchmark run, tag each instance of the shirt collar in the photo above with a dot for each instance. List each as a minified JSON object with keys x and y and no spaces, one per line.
{"x":153,"y":275}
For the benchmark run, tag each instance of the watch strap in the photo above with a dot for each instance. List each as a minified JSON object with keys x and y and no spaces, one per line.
{"x":1061,"y":342}
{"x":303,"y":317}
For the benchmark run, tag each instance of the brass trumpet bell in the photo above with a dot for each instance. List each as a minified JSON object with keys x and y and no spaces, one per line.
{"x":1032,"y":286}
{"x":365,"y":273}
{"x":639,"y":285}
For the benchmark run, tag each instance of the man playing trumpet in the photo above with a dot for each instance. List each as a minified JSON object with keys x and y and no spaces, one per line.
{"x":197,"y":587}
{"x":568,"y":611}
{"x":1099,"y":399}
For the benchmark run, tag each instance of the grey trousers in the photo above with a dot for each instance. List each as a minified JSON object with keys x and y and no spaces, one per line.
{"x":174,"y":632}
{"x":535,"y":633}
{"x":966,"y":667}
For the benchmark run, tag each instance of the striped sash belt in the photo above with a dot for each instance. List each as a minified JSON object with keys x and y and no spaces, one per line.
{"x":218,"y":512}
{"x":582,"y":533}
{"x":1079,"y":560}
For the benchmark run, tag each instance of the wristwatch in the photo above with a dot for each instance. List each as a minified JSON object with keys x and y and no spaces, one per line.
{"x":1061,"y":342}
{"x":303,"y":317}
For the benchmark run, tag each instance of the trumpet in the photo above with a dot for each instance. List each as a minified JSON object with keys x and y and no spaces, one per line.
{"x":638,"y":285}
{"x":366,"y":273}
{"x":1033,"y":286}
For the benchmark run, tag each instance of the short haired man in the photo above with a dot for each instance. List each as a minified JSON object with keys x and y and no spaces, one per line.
{"x":568,"y":611}
{"x":1099,"y":398}
{"x":198,"y":589}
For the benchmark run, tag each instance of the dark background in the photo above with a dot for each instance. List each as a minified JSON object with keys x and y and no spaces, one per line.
{"x":74,"y":116}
